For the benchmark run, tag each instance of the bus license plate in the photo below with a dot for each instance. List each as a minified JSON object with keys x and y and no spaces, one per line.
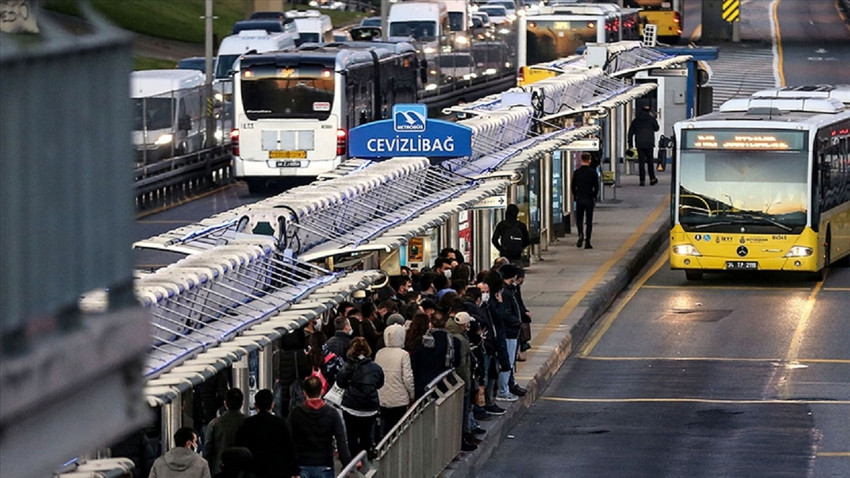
{"x":278,"y":154}
{"x":741,"y":265}
{"x":287,"y":164}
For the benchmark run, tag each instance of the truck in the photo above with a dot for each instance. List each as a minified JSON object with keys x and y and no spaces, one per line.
{"x":168,"y":115}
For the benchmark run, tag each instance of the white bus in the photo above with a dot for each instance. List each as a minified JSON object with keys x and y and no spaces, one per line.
{"x":293,"y":110}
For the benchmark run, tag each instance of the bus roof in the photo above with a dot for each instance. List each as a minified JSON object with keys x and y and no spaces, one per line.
{"x":788,"y":107}
{"x":339,"y":56}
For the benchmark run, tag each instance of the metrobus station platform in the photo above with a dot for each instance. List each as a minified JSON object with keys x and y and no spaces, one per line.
{"x":568,"y":288}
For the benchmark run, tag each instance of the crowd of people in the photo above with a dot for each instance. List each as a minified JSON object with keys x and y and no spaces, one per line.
{"x":344,"y":384}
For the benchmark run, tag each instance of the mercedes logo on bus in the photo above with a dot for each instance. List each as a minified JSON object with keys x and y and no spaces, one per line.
{"x":742,"y":251}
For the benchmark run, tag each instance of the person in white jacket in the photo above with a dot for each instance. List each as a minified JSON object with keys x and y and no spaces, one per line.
{"x":397,"y":393}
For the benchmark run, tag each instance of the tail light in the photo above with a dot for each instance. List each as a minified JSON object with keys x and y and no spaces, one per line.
{"x":234,"y":141}
{"x":341,"y":142}
{"x":521,"y":76}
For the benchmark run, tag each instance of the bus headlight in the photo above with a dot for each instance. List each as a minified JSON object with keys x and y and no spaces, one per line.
{"x":800,"y":251}
{"x":686,"y":250}
{"x":164,"y":139}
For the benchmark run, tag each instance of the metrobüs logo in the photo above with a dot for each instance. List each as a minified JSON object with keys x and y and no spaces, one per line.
{"x":410,"y":117}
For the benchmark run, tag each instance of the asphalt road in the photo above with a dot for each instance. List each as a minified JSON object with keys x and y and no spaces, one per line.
{"x":814,"y":39}
{"x":733,"y":376}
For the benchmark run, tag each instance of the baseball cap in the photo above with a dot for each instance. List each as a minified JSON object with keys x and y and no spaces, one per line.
{"x":463,"y":318}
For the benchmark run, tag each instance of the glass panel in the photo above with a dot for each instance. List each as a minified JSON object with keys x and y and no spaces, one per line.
{"x":153,"y":113}
{"x":287,"y":92}
{"x":729,"y":189}
{"x":549,"y":40}
{"x":420,"y":30}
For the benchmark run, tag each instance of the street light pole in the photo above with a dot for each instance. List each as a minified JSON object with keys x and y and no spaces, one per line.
{"x":208,"y":67}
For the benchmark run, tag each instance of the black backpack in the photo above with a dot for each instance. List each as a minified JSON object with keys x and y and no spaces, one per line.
{"x":511,"y":239}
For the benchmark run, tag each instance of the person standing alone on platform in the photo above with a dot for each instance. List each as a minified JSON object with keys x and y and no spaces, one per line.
{"x":642,"y":137}
{"x":585,"y":187}
{"x":510,"y":237}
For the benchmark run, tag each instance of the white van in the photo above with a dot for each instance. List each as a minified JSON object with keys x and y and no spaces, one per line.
{"x":312,"y":26}
{"x":259,"y":41}
{"x":167,"y":113}
{"x":426,"y":22}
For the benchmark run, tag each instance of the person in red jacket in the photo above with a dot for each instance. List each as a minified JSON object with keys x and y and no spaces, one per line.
{"x":317,"y":424}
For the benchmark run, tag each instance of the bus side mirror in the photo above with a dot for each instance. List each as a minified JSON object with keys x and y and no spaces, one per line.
{"x":423,"y":72}
{"x":184,"y":123}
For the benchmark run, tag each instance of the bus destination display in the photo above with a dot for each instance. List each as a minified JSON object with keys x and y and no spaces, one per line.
{"x":762,"y":140}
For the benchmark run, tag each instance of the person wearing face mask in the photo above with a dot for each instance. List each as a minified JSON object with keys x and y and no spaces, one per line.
{"x":510,"y":315}
{"x":484,"y":339}
{"x":182,"y":461}
{"x":443,"y":285}
{"x":341,"y":339}
{"x":443,"y":265}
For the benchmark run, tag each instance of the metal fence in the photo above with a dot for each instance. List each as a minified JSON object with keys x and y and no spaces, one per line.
{"x":424,"y":441}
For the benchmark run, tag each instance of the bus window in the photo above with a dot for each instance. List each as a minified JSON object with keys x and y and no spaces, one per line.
{"x":549,"y":40}
{"x":275,"y":92}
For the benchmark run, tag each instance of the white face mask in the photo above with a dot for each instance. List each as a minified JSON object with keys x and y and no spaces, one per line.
{"x":447,"y":273}
{"x":485,"y":296}
{"x":410,"y":289}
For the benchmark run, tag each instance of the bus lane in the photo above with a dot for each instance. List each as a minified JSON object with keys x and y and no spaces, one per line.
{"x":737,"y":375}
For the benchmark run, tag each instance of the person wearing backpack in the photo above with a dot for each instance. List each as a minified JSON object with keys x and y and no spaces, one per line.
{"x":511,"y":236}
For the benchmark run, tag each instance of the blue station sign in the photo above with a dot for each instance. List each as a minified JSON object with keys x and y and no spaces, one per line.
{"x":410,"y":133}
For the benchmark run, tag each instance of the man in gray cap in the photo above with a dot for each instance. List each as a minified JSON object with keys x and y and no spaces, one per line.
{"x":457,"y":326}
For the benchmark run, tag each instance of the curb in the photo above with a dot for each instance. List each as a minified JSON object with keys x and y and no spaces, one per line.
{"x":591,"y":309}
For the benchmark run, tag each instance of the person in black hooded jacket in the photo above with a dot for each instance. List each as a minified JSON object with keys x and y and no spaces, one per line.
{"x":510,"y":236}
{"x":360,"y":378}
{"x":642,"y":135}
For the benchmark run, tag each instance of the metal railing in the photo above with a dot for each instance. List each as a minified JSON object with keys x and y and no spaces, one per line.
{"x":424,"y":441}
{"x":181,"y":176}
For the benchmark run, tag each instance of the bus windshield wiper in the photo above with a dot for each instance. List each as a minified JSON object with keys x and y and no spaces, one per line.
{"x":774,"y":222}
{"x":712,"y":224}
{"x":756,"y":218}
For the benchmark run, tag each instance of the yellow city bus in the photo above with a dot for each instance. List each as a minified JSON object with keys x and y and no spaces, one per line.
{"x":763,"y":184}
{"x":665,"y":14}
